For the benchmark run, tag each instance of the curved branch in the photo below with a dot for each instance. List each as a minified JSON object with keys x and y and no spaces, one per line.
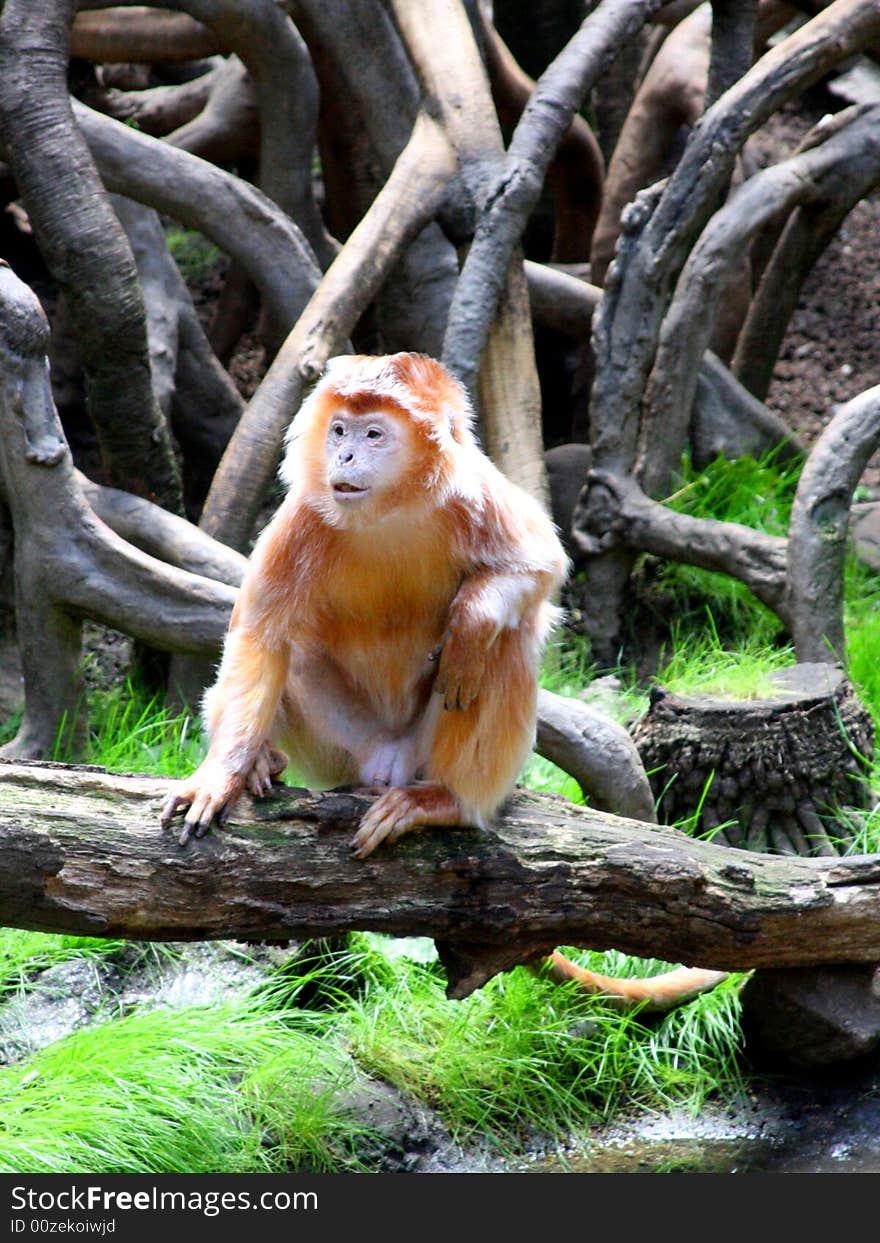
{"x":68,"y":565}
{"x":804,"y":238}
{"x":164,"y":536}
{"x":227,"y":127}
{"x":598,"y":753}
{"x":614,"y":511}
{"x":664,"y":223}
{"x":441,"y":42}
{"x":141,"y":36}
{"x":517,"y":184}
{"x":369,"y":104}
{"x":241,"y":220}
{"x":410,"y":198}
{"x":733,"y":33}
{"x":83,"y":245}
{"x":819,"y":523}
{"x":157,"y":110}
{"x":561,"y":300}
{"x":577,"y":171}
{"x":265,"y":39}
{"x":670,"y":96}
{"x":721,"y":248}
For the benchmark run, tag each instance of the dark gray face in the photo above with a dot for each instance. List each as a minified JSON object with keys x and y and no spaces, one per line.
{"x":365,"y":454}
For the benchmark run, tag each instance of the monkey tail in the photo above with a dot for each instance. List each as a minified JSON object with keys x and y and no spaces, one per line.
{"x":654,"y":995}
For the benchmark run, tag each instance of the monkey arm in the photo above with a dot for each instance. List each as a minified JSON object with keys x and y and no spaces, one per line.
{"x":239,"y":711}
{"x":487,"y":602}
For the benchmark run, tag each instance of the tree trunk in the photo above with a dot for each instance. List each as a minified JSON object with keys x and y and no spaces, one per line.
{"x":82,"y":851}
{"x":84,"y":247}
{"x":763,"y":773}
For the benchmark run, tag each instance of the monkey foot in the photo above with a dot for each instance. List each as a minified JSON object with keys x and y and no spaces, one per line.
{"x":399,"y":811}
{"x":205,"y":797}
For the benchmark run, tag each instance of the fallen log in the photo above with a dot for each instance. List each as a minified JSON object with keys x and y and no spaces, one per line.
{"x":82,"y":851}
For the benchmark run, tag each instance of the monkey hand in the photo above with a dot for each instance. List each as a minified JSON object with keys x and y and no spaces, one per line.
{"x":461,"y":667}
{"x":268,"y":767}
{"x":205,"y":796}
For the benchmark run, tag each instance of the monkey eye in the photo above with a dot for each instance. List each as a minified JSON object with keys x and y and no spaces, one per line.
{"x":338,"y":430}
{"x":374,"y":433}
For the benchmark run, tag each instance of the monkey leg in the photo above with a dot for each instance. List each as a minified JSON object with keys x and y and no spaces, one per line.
{"x":475,"y":755}
{"x":654,"y":994}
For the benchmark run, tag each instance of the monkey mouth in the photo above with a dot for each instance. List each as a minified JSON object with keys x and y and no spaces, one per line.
{"x":348,"y":489}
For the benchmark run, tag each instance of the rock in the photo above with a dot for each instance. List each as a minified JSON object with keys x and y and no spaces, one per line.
{"x":813,"y":1016}
{"x":399,"y":1133}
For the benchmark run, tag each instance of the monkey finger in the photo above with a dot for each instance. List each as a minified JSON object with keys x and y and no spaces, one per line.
{"x":198,"y":818}
{"x":173,"y":804}
{"x":370,"y":834}
{"x":186,"y":833}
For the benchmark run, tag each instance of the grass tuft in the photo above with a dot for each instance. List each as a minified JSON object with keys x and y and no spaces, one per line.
{"x":230,"y":1088}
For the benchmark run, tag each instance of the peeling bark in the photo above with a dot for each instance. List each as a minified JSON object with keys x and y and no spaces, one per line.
{"x":769,"y":773}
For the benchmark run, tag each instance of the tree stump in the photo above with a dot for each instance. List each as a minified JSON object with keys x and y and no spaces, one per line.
{"x":765,"y":774}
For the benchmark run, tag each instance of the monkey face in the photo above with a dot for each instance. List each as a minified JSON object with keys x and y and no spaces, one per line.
{"x":366,"y":455}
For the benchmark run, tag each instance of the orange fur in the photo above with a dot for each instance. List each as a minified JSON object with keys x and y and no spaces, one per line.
{"x":392,"y":637}
{"x":408,"y":620}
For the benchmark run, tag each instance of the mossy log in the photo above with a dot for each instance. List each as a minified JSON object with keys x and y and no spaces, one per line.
{"x":787,"y":773}
{"x":82,"y":851}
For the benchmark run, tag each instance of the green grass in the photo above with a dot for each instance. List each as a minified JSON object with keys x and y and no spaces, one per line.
{"x":222,"y":1089}
{"x":524,"y":1058}
{"x":754,"y":493}
{"x":263,"y":1085}
{"x":702,"y":665}
{"x":25,"y":955}
{"x":132,"y":731}
{"x":194,"y":255}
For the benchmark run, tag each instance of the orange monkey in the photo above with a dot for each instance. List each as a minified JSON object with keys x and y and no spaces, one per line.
{"x":389,"y":628}
{"x":390,"y":625}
